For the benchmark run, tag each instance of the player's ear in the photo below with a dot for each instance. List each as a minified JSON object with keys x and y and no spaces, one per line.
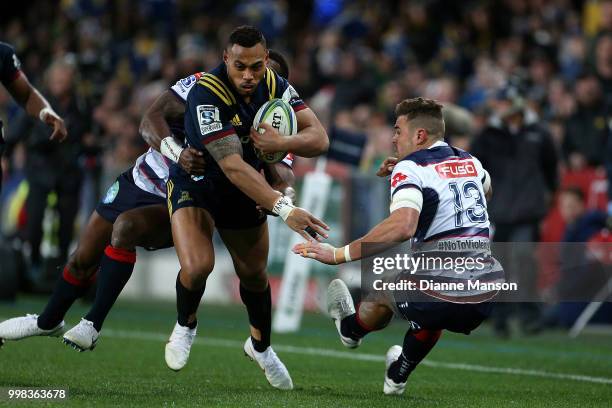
{"x":225,"y":56}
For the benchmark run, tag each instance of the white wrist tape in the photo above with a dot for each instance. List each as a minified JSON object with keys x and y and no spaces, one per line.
{"x":283,"y":207}
{"x":171,"y":149}
{"x":407,"y":198}
{"x":44,"y":112}
{"x":347,"y":253}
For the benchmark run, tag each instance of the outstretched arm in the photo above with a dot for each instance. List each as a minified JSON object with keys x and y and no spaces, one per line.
{"x":37,"y":106}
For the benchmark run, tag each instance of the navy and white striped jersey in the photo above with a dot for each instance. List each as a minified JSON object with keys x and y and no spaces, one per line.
{"x":453,"y":220}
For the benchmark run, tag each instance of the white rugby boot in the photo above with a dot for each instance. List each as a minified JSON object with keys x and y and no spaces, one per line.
{"x":274,"y":369}
{"x":390,"y":387}
{"x":82,"y":337}
{"x":179,"y":346}
{"x":340,"y":305}
{"x":19,"y":328}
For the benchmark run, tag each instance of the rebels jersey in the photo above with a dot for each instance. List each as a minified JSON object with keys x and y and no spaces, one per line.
{"x":453,"y":219}
{"x":215,"y":110}
{"x":151,"y":170}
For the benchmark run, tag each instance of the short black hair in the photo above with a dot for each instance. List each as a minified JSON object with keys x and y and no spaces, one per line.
{"x":280,"y":63}
{"x":246,"y":36}
{"x":423,"y":112}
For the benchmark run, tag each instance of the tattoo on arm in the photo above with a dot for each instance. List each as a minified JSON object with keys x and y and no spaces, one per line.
{"x":225,"y":146}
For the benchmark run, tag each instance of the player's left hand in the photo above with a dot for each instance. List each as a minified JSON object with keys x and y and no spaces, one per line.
{"x":270,"y":141}
{"x":59,"y":127}
{"x":318,"y":251}
{"x":299,"y":220}
{"x":192,"y":161}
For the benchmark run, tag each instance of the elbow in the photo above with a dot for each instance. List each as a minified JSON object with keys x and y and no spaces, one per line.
{"x":323,"y":143}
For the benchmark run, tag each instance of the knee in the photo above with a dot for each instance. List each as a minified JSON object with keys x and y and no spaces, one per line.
{"x":125,"y":233}
{"x":195,"y":272}
{"x":254,"y":278}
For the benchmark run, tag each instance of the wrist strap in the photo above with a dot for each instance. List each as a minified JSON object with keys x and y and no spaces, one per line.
{"x":283,"y":207}
{"x":170,"y":148}
{"x":44,"y":112}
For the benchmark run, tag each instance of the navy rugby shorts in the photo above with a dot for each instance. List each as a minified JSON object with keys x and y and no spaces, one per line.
{"x":124,"y":195}
{"x":227,"y":205}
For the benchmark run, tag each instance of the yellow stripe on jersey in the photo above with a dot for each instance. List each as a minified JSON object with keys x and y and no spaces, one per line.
{"x":222,"y":95}
{"x":271,"y":82}
{"x":221,"y":85}
{"x":169,"y":188}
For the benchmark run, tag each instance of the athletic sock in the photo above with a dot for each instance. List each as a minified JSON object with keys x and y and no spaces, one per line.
{"x":116,"y":268}
{"x":187,"y":302}
{"x":351,"y":326}
{"x":416,"y":347}
{"x":66,"y":291}
{"x":259,"y":309}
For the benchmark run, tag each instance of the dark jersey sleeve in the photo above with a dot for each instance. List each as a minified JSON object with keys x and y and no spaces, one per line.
{"x":9,"y":64}
{"x":207,"y":117}
{"x":286,"y":92}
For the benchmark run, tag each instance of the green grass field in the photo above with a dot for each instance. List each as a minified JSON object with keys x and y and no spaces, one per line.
{"x":128,"y":369}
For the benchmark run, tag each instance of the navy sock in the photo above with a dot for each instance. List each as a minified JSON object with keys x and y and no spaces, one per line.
{"x":351,"y":326}
{"x":416,"y":347}
{"x":187,"y":302}
{"x":115,"y":270}
{"x":66,"y":291}
{"x":259,"y":309}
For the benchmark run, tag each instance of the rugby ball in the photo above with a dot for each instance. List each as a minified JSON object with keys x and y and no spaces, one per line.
{"x":280,"y":115}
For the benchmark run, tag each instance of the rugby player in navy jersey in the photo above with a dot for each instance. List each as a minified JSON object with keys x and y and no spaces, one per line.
{"x":438,"y":194}
{"x":218,"y":121}
{"x":16,"y":82}
{"x":123,"y":220}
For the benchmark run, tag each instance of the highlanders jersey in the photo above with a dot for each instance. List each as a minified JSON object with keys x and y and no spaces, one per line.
{"x":9,"y":71}
{"x":453,"y":219}
{"x":214,"y":111}
{"x":151,"y":170}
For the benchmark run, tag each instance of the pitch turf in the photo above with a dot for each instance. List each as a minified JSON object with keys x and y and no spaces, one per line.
{"x":127,"y":368}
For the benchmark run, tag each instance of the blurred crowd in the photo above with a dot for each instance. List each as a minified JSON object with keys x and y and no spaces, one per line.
{"x":352,"y":61}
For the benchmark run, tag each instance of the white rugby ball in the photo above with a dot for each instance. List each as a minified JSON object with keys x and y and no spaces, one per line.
{"x":280,"y":115}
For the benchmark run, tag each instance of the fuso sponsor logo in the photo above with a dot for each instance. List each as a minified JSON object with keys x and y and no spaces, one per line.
{"x":456,"y":169}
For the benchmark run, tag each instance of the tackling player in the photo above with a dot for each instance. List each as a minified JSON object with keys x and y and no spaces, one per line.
{"x":219,"y":114}
{"x":27,"y":96}
{"x":430,"y":202}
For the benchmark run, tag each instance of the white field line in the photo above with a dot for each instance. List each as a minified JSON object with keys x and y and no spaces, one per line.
{"x":321,"y":352}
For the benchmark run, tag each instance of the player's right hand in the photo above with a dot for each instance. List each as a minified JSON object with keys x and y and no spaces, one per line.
{"x":59,"y":127}
{"x":386,"y":168}
{"x":192,"y":161}
{"x":299,"y":220}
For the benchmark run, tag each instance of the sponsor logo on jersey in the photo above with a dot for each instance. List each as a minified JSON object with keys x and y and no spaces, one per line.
{"x":111,"y":193}
{"x":184,"y":197}
{"x":236,"y":121}
{"x":190,"y":80}
{"x":208,"y":118}
{"x":398,"y":178}
{"x":456,"y":169}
